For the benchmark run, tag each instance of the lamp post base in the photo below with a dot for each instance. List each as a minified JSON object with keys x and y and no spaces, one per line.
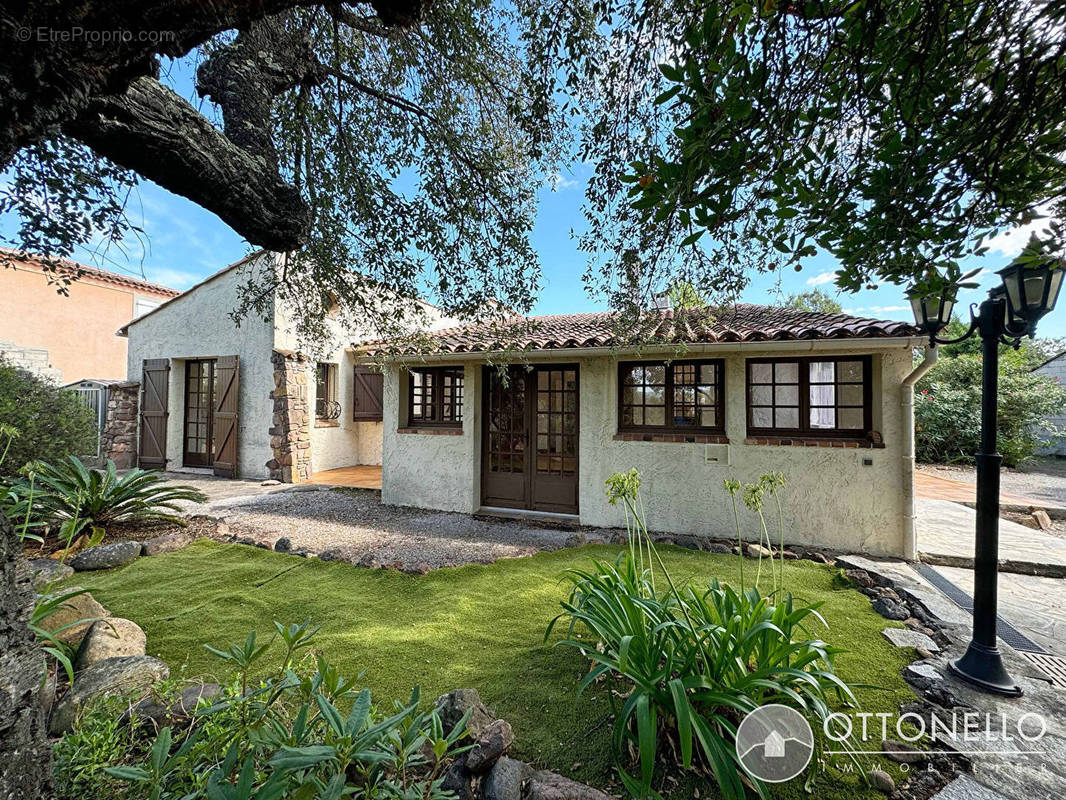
{"x":983,"y":667}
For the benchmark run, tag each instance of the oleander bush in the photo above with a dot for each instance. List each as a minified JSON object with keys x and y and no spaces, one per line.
{"x":947,"y":409}
{"x":50,"y":421}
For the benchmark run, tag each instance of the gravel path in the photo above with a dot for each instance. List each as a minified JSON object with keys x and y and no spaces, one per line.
{"x":352,"y":525}
{"x":1041,"y":478}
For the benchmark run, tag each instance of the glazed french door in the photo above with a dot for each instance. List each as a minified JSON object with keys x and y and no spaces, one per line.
{"x":530,"y":438}
{"x":200,"y":389}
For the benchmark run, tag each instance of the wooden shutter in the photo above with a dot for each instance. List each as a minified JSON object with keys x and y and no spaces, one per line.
{"x":369,"y":387}
{"x":155,"y":385}
{"x":225,"y":416}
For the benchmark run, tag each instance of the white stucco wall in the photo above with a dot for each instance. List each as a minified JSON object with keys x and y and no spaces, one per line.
{"x":832,"y":498}
{"x":197,"y":325}
{"x":432,"y":470}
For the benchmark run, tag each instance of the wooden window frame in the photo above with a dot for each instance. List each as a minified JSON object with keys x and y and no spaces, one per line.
{"x":805,"y":430}
{"x":669,"y":427}
{"x":331,"y":394}
{"x":437,"y":403}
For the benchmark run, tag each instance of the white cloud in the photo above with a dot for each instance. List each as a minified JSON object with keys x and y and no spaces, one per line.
{"x":821,"y":278}
{"x":888,"y":309}
{"x":558,"y":182}
{"x":1010,"y":242}
{"x":174,"y":278}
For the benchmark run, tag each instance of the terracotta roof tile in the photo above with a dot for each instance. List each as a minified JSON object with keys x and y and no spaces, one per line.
{"x":737,"y":323}
{"x":65,"y":267}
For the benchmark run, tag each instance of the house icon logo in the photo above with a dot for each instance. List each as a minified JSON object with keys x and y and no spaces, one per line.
{"x":775,"y":743}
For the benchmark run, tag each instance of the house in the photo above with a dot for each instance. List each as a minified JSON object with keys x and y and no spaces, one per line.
{"x":245,"y":401}
{"x":1055,"y":367}
{"x":69,"y":337}
{"x":741,"y":391}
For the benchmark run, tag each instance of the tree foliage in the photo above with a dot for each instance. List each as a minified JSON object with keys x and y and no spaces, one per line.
{"x":896,"y":136}
{"x":814,"y":300}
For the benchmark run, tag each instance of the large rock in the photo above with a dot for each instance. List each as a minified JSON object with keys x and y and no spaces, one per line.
{"x":544,"y":785}
{"x":48,"y":570}
{"x":153,"y":714}
{"x":106,"y":556}
{"x":504,"y":781}
{"x":81,"y":609}
{"x":902,"y":637}
{"x":458,"y":780}
{"x":493,"y":741}
{"x":452,"y":706}
{"x":891,"y":609}
{"x":111,"y":678}
{"x":25,"y":754}
{"x":166,"y":543}
{"x":111,"y":637}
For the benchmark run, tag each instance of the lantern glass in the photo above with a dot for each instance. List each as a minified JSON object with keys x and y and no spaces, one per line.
{"x":1012,"y":282}
{"x":932,"y":313}
{"x":1056,"y":285}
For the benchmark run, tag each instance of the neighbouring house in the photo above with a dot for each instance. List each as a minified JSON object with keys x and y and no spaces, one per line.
{"x":823,"y":398}
{"x":69,"y":337}
{"x":245,"y":401}
{"x":1056,"y":368}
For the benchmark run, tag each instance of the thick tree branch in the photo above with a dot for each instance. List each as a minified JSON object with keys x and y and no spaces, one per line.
{"x":155,"y":132}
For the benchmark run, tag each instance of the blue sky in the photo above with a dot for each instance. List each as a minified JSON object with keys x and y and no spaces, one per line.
{"x":184,"y":244}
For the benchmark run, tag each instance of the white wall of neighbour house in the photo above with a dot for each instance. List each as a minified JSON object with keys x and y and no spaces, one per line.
{"x":197,"y":324}
{"x":832,"y":498}
{"x":1056,"y":368}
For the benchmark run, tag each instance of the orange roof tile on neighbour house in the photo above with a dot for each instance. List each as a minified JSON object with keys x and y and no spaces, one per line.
{"x":64,"y":267}
{"x":736,"y":323}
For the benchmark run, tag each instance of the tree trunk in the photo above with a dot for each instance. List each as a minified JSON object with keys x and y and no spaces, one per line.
{"x":25,"y":753}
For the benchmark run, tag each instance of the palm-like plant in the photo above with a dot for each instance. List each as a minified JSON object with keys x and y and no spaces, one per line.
{"x":78,"y":497}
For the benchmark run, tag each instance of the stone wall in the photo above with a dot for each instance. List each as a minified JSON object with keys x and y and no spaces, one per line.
{"x":290,"y":434}
{"x":25,"y":755}
{"x":118,"y":441}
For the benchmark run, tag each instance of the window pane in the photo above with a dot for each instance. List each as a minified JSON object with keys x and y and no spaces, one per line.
{"x":630,"y":375}
{"x":709,"y":373}
{"x":849,"y":371}
{"x":786,"y":372}
{"x":787,"y":418}
{"x":762,"y":417}
{"x":849,"y":395}
{"x":823,"y":395}
{"x":655,"y":416}
{"x":823,"y":418}
{"x":655,"y":374}
{"x":708,"y":417}
{"x":762,"y":373}
{"x":850,"y":418}
{"x":822,"y":371}
{"x":762,"y":395}
{"x":787,"y":395}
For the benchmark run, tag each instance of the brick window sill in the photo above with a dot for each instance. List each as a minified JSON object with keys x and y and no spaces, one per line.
{"x":683,"y":438}
{"x":433,"y":431}
{"x":792,"y":441}
{"x":327,"y":423}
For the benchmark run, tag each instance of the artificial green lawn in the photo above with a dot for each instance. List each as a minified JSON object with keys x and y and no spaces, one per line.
{"x":475,"y":626}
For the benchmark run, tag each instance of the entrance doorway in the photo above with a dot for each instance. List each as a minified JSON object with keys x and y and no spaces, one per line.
{"x":200,"y":391}
{"x":529,"y":450}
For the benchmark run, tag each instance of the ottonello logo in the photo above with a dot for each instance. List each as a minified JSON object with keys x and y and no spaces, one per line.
{"x":775,"y":743}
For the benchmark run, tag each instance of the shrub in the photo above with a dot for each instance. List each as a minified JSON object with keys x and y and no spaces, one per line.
{"x":947,"y":409}
{"x":51,"y":422}
{"x":692,"y":662}
{"x":298,"y":733}
{"x":78,"y":497}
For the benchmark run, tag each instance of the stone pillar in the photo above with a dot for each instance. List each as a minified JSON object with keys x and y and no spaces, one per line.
{"x":290,"y":435}
{"x":118,"y":441}
{"x":25,"y":754}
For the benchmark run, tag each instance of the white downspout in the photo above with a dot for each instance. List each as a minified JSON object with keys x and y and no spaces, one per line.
{"x":910,"y":537}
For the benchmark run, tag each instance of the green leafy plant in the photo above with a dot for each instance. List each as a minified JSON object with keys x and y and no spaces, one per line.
{"x":77,"y":497}
{"x":50,"y":422}
{"x":47,"y":604}
{"x":947,"y":409}
{"x":691,"y":662}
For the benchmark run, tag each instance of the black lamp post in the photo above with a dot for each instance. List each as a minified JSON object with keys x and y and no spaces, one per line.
{"x":1011,"y":311}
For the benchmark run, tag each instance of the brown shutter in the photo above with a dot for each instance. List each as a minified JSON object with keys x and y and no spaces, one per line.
{"x":225,"y":422}
{"x":369,"y":386}
{"x":155,"y":384}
